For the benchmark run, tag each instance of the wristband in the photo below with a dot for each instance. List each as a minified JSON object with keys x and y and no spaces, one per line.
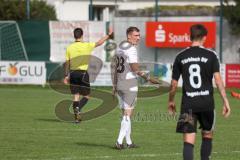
{"x":109,"y":35}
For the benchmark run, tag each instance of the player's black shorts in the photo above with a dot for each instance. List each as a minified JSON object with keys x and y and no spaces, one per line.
{"x":79,"y":82}
{"x":187,"y":122}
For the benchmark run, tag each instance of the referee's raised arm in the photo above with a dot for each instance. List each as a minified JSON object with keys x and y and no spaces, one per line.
{"x":103,"y":39}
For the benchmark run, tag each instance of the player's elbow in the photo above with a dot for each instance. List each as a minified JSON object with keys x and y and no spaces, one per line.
{"x":135,"y":68}
{"x":219,"y":83}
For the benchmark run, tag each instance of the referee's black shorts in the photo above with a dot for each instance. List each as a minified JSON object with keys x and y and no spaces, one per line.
{"x":187,"y":122}
{"x":79,"y":82}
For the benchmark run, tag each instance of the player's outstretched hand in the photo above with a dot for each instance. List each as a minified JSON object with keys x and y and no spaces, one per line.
{"x":154,"y":81}
{"x":171,"y":108}
{"x":226,"y":109}
{"x":66,"y":80}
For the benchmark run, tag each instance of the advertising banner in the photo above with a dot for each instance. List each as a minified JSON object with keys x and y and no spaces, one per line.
{"x":103,"y":78}
{"x":233,"y":75}
{"x":20,"y":72}
{"x":61,"y":35}
{"x":176,"y":34}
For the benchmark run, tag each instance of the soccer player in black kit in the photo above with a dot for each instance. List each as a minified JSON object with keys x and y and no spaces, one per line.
{"x":197,"y":66}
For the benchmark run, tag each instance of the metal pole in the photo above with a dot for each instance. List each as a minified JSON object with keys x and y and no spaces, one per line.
{"x":156,"y":19}
{"x":156,"y":10}
{"x":91,"y":10}
{"x":115,"y":7}
{"x":156,"y":49}
{"x":28,"y":9}
{"x":0,"y":44}
{"x":221,"y":31}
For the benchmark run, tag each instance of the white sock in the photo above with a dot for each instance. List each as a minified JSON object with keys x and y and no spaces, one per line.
{"x":123,"y":130}
{"x":128,"y":134}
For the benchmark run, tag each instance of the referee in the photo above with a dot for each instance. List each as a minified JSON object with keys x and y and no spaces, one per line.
{"x":77,"y":61}
{"x":197,"y":66}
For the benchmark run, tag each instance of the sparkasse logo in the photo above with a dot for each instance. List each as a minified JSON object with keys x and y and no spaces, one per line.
{"x":160,"y":34}
{"x":176,"y":34}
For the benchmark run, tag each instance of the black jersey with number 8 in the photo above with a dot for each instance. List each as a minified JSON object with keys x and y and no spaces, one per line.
{"x":196,"y":65}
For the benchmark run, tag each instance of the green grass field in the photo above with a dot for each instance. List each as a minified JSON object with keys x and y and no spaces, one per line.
{"x":29,"y":130}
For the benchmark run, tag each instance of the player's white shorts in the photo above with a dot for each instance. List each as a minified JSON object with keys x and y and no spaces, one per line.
{"x":127,"y":99}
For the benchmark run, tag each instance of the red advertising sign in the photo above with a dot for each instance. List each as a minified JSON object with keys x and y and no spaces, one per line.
{"x":233,"y":75}
{"x":176,"y":34}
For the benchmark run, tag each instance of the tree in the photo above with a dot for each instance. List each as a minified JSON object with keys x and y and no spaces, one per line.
{"x":188,"y":10}
{"x":232,"y":12}
{"x":16,"y":10}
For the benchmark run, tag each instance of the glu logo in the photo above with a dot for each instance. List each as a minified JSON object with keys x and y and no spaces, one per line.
{"x":160,"y":34}
{"x":12,"y":69}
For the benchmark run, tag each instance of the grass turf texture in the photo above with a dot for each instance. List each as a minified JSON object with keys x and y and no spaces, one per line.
{"x":29,"y":130}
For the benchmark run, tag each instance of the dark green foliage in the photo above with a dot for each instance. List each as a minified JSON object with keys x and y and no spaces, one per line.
{"x":189,"y":10}
{"x":16,"y":10}
{"x":232,"y":14}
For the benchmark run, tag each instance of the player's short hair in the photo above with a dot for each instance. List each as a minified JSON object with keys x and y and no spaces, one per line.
{"x":132,"y":29}
{"x":78,"y":33}
{"x":198,"y":31}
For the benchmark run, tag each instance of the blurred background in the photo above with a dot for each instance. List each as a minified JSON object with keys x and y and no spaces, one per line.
{"x":34,"y":35}
{"x":40,"y":30}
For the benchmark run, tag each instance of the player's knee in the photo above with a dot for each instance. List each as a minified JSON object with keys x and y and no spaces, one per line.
{"x":189,"y":138}
{"x":76,"y":97}
{"x":207,"y":134}
{"x":128,"y":112}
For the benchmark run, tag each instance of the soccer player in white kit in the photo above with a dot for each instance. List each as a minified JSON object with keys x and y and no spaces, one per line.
{"x":125,"y":75}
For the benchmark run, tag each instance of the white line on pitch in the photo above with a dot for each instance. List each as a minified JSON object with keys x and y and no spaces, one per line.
{"x":126,"y":156}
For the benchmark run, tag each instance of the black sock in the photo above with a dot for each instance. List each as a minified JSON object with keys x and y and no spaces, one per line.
{"x":206,"y":148}
{"x":75,"y":106}
{"x":188,"y":151}
{"x":82,"y":103}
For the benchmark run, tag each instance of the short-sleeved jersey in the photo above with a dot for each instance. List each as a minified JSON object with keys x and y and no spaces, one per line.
{"x":126,"y":79}
{"x":197,"y":66}
{"x":79,"y":54}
